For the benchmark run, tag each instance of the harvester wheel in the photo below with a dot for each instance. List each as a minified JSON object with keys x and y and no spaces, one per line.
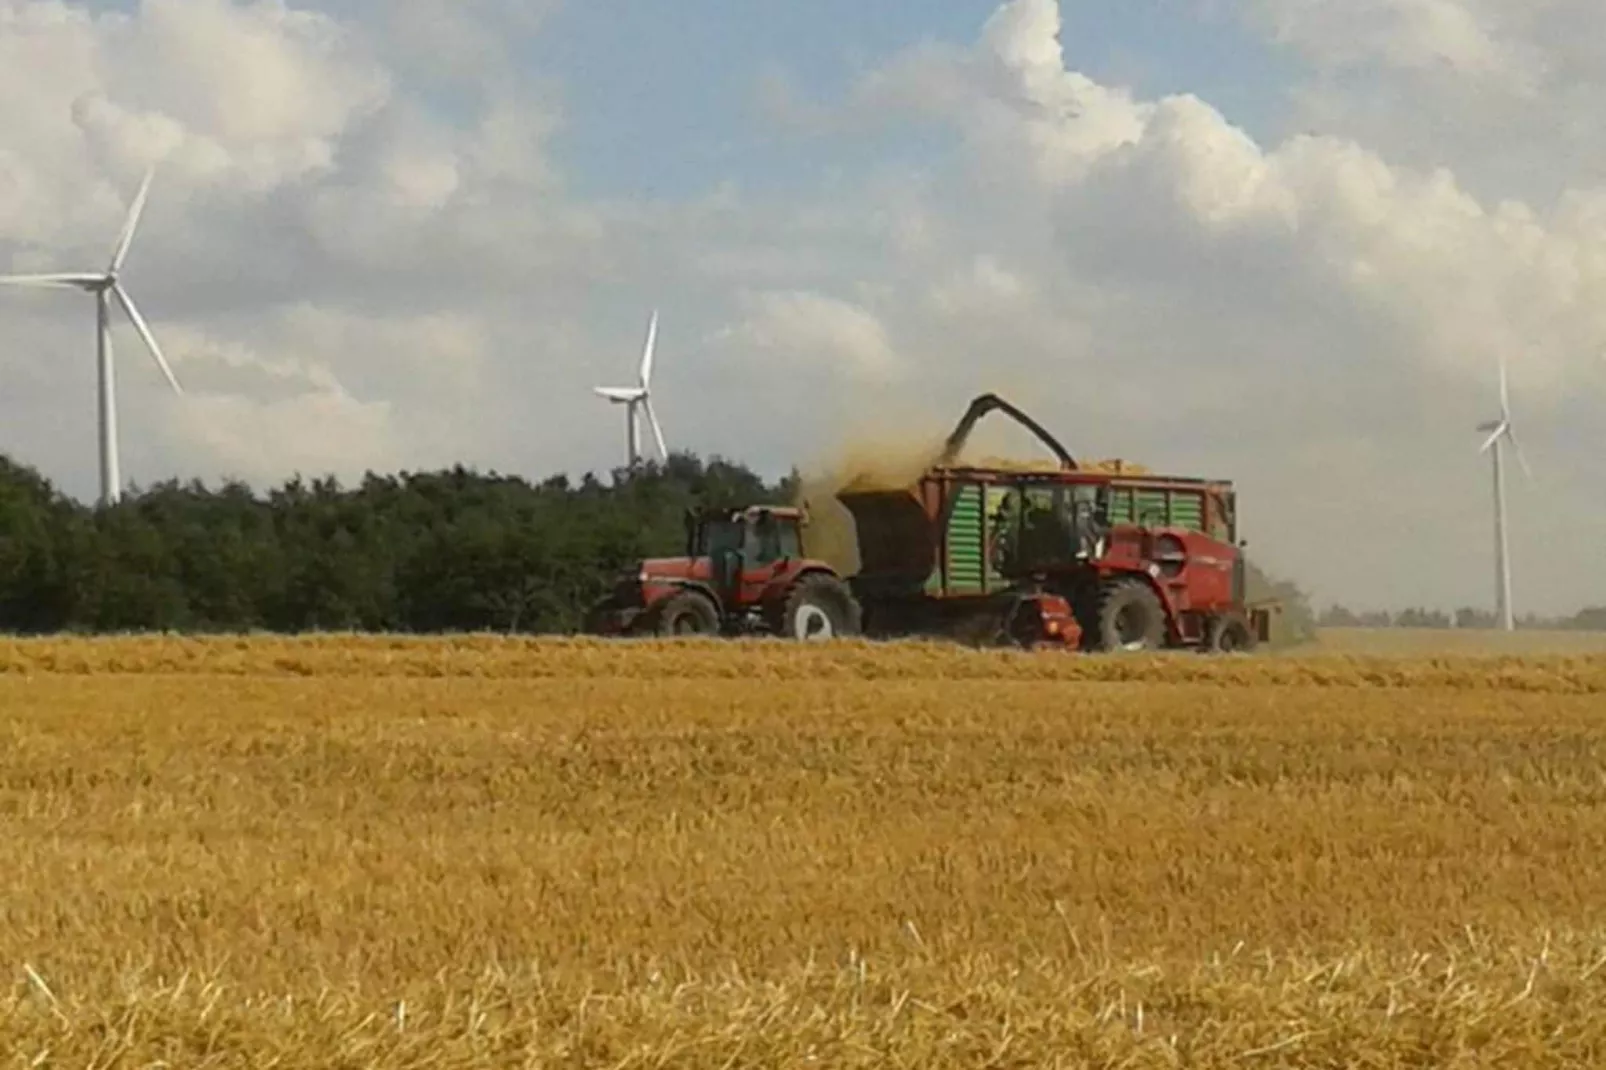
{"x":819,"y":607}
{"x":1128,"y":617}
{"x":1230,"y":634}
{"x":1020,"y":625}
{"x":687,"y":613}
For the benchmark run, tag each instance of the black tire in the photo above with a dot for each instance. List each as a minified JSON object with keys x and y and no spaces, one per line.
{"x":1129,"y":617}
{"x":1230,"y":634}
{"x":686,"y":613}
{"x":818,"y":607}
{"x":1019,"y":625}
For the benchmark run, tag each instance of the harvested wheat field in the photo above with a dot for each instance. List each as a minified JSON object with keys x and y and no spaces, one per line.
{"x":1417,"y":642}
{"x":494,"y":853}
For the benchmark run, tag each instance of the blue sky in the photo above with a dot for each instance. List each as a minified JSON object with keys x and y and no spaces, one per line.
{"x":659,"y":99}
{"x":365,"y":252}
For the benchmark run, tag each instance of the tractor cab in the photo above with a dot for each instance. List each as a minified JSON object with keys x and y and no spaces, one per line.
{"x":746,"y":549}
{"x":759,"y":534}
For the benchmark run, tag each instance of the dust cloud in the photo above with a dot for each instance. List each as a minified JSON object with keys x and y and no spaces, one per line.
{"x":868,"y":463}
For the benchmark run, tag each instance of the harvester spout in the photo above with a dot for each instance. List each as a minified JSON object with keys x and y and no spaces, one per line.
{"x":985,"y":404}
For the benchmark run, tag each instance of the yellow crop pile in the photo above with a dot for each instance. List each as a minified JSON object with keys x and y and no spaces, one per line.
{"x":496,"y":853}
{"x":1112,"y":466}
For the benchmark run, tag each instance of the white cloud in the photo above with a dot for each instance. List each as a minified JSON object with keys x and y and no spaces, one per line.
{"x":346,"y":277}
{"x":812,"y":331}
{"x":314,"y":434}
{"x":1508,"y":94}
{"x":1461,"y":38}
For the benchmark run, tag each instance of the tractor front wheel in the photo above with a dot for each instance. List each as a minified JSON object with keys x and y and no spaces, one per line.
{"x":1128,"y":617}
{"x":686,"y":613}
{"x":818,"y":608}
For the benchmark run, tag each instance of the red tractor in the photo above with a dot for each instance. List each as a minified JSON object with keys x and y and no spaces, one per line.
{"x":1082,"y":558}
{"x":744,"y":571}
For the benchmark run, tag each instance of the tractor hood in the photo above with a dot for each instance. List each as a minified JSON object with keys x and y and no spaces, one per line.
{"x":673,"y":568}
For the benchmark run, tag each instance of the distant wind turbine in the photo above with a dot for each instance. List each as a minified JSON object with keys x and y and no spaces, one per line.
{"x":101,"y":285}
{"x":637,"y":398}
{"x":1500,"y":432}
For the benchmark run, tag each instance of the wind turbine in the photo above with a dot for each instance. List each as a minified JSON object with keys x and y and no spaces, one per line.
{"x":1499,"y":433}
{"x":637,"y":398}
{"x":104,"y":285}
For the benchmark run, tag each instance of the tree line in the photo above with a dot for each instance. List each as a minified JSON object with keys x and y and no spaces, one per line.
{"x":445,"y":551}
{"x":1589,"y":619}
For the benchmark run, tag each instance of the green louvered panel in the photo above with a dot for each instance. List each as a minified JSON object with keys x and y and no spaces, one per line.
{"x":965,"y":553}
{"x":1187,"y":510}
{"x":1153,"y":507}
{"x":1157,"y":508}
{"x":1121,"y":505}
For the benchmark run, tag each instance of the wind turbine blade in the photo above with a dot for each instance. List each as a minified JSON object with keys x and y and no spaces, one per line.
{"x":1505,"y":397}
{"x":647,"y":350}
{"x":657,"y":432}
{"x":134,"y":212}
{"x":1490,"y":441}
{"x":68,"y":281}
{"x":145,"y":333}
{"x":1522,"y":458}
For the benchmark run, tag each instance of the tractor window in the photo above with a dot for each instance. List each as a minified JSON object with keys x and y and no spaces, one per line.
{"x":771,"y":538}
{"x":788,"y":542}
{"x":763,"y":542}
{"x":722,"y":535}
{"x":1046,"y":534}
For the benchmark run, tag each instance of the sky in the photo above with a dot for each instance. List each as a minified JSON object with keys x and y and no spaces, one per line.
{"x":1284,"y":242}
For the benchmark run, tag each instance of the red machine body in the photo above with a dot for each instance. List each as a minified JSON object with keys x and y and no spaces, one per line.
{"x":1142,"y":561}
{"x":1095,"y":558}
{"x":744,"y":570}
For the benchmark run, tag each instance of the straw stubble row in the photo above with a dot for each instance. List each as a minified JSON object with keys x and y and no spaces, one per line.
{"x":567,"y":865}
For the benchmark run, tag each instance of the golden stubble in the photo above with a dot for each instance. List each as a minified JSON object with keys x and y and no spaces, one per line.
{"x":416,"y":853}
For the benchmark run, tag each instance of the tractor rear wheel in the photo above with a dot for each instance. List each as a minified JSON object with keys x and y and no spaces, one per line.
{"x":817,"y":608}
{"x":686,"y":613}
{"x":1128,"y":617}
{"x":1230,"y":634}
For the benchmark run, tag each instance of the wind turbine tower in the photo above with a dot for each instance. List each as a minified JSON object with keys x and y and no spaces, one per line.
{"x":105,"y":285}
{"x":1500,"y":432}
{"x":637,"y":399}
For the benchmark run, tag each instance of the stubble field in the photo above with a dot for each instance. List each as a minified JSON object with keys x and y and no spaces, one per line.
{"x":391,"y":853}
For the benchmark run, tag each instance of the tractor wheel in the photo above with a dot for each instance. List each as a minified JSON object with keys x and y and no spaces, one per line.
{"x":817,"y":608}
{"x":1230,"y":634}
{"x":686,"y":613}
{"x":1128,"y":617}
